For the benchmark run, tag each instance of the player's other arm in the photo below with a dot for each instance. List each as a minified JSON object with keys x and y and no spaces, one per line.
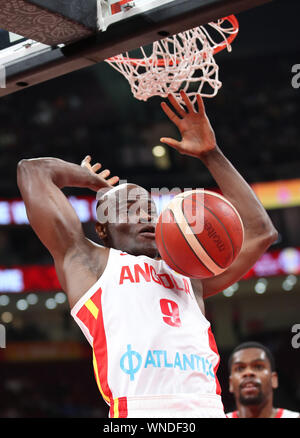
{"x":49,"y":212}
{"x":259,"y":230}
{"x":198,"y":140}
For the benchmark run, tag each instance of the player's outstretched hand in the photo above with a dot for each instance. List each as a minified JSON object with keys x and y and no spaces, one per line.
{"x":104,"y":174}
{"x":197,"y":135}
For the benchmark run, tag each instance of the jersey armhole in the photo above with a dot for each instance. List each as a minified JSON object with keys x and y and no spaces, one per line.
{"x":87,"y":295}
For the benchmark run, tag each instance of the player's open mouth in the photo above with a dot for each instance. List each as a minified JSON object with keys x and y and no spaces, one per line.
{"x":250,"y":384}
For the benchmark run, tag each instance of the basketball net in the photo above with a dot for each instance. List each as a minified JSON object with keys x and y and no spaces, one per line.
{"x":180,"y":62}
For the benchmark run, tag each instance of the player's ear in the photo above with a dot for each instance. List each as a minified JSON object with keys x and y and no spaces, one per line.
{"x":230,"y":385}
{"x":101,"y":230}
{"x":274,"y":380}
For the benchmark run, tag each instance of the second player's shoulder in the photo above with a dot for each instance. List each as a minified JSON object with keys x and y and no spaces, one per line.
{"x":286,"y":413}
{"x":231,"y":414}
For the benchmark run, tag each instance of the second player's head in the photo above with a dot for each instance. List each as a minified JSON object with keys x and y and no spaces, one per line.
{"x":252,"y":374}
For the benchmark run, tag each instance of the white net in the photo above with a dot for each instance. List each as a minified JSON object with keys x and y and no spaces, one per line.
{"x":183,"y":61}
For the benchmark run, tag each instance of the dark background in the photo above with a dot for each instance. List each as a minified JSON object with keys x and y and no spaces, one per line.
{"x":256,"y":120}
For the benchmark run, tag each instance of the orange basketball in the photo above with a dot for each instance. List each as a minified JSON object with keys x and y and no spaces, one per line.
{"x":199,"y":234}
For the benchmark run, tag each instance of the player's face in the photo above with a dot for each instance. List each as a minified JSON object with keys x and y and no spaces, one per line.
{"x":132,"y":226}
{"x":252,"y":380}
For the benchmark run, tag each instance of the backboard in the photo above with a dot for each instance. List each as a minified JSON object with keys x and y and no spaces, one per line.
{"x":44,"y":39}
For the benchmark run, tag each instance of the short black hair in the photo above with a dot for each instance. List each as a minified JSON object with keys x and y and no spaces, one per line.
{"x":252,"y":344}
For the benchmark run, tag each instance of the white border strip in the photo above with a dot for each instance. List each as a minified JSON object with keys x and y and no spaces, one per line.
{"x":21,"y":50}
{"x":105,"y":18}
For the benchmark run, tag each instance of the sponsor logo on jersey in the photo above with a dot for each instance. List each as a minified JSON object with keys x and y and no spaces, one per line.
{"x":132,"y":362}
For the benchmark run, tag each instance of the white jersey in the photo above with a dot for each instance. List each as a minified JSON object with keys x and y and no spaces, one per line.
{"x":153,"y":349}
{"x":281,"y":413}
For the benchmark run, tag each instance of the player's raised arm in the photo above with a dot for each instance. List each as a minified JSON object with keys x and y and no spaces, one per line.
{"x":50,"y":214}
{"x":198,"y":140}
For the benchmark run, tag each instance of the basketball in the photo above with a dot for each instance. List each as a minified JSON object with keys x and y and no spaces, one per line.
{"x":199,"y":234}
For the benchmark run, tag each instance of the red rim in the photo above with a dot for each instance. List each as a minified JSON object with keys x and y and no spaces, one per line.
{"x":161,"y":63}
{"x":233,"y":20}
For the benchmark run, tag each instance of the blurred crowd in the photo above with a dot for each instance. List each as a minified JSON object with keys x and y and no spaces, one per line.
{"x":254,"y":116}
{"x":50,"y":390}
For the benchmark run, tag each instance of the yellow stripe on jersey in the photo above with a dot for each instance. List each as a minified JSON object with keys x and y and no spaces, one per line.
{"x":106,"y":398}
{"x":92,"y":308}
{"x":116,"y":408}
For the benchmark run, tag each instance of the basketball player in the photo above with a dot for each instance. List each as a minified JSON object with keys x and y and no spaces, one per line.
{"x":253,"y":380}
{"x":154,"y":354}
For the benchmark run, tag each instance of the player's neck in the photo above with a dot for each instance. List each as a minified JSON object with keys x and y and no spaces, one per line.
{"x":257,"y":411}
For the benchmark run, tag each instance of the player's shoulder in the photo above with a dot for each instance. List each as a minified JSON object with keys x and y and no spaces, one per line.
{"x":281,"y":413}
{"x":232,"y":414}
{"x":286,"y":413}
{"x":86,"y":252}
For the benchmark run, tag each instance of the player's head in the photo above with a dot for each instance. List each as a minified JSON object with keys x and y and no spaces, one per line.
{"x":252,"y":374}
{"x":126,"y":219}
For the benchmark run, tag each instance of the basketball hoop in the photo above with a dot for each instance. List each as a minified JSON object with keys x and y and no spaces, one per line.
{"x":183,"y":61}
